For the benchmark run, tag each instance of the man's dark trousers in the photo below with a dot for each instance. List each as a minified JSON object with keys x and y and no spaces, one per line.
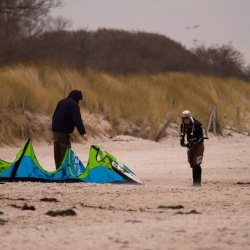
{"x":61,"y":144}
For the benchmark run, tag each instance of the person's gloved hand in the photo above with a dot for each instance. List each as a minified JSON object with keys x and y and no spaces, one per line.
{"x":191,"y":142}
{"x":182,"y":142}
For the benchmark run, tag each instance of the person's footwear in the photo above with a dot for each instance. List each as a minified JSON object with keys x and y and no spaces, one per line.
{"x":196,"y":185}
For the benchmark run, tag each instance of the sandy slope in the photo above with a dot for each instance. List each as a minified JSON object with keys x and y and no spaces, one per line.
{"x":119,"y":216}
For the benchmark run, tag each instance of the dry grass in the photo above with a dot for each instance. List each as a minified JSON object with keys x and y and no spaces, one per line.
{"x":140,"y":99}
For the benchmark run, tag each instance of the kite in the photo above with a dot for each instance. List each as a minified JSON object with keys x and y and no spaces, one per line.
{"x":102,"y":167}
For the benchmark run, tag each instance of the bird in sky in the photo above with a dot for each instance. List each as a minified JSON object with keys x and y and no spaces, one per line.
{"x":193,"y":27}
{"x":195,"y":41}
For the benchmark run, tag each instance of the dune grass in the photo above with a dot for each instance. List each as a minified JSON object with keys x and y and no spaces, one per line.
{"x":33,"y":91}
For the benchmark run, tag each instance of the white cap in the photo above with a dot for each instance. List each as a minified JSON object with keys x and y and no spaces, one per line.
{"x":186,"y":113}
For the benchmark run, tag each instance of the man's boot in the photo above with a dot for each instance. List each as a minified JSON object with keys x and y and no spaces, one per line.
{"x":197,"y":175}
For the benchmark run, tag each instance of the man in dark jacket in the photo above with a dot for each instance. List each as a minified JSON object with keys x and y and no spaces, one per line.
{"x":66,"y":117}
{"x":192,"y":129}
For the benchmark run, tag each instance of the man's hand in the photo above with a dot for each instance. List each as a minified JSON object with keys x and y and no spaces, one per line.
{"x":182,"y":141}
{"x":85,"y":137}
{"x":192,"y":141}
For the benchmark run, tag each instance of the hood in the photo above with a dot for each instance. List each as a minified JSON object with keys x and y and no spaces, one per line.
{"x":185,"y":114}
{"x":76,"y":95}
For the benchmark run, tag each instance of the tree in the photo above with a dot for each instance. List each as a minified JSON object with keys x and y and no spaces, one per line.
{"x":224,"y":60}
{"x":247,"y":72}
{"x":25,"y":18}
{"x":20,"y":18}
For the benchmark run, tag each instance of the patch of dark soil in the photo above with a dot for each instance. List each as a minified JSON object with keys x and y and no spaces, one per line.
{"x":171,"y":207}
{"x":49,"y":199}
{"x":15,"y":206}
{"x":2,"y":221}
{"x":20,"y":199}
{"x":191,"y":212}
{"x":13,"y":199}
{"x":134,"y":221}
{"x":68,"y":212}
{"x":26,"y":207}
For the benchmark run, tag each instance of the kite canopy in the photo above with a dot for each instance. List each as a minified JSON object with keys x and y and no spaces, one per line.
{"x":102,"y":167}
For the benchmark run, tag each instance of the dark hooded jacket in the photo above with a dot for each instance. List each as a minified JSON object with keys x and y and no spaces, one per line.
{"x":67,"y":114}
{"x":193,"y":131}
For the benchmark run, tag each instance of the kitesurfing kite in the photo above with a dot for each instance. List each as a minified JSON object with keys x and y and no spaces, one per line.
{"x":102,"y":167}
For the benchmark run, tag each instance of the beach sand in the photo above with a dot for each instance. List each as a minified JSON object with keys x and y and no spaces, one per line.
{"x":164,"y":213}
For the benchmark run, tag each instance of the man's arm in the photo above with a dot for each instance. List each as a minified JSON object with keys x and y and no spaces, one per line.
{"x":182,"y":135}
{"x":77,"y":119}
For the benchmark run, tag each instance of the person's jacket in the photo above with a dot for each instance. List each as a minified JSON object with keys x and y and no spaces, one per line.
{"x":67,"y":114}
{"x":193,"y":132}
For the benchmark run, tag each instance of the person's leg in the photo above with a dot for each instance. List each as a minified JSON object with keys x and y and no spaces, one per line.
{"x":57,"y":154}
{"x":61,"y":144}
{"x":190,"y":157}
{"x":198,"y":150}
{"x":197,"y":175}
{"x":191,"y":162}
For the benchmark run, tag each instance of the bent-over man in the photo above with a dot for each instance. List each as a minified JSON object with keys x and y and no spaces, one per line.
{"x":66,"y":117}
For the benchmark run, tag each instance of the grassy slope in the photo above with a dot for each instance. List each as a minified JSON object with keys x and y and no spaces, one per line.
{"x":29,"y":94}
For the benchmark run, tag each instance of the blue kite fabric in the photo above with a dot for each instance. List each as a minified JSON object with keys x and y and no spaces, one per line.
{"x":102,"y":167}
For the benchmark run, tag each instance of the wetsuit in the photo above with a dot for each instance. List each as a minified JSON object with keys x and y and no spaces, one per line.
{"x":195,"y":145}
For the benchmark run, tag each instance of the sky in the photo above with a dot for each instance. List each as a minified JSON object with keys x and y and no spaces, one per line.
{"x":190,"y":22}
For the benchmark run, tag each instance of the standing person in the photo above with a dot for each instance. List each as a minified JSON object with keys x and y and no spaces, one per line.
{"x":66,"y":117}
{"x":192,"y":129}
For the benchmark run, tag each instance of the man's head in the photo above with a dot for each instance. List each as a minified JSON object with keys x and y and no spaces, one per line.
{"x":75,"y":95}
{"x":186,"y":117}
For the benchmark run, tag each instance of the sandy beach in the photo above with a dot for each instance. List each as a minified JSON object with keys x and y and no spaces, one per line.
{"x":164,"y":213}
